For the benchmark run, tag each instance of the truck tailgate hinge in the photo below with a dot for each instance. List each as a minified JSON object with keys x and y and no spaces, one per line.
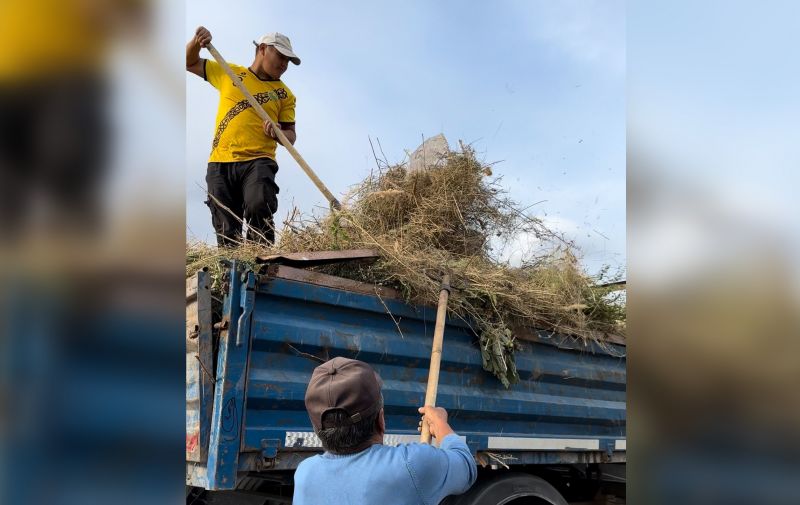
{"x":269,"y":451}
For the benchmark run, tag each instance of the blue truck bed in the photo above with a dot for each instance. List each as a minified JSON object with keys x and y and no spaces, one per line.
{"x":246,"y":379}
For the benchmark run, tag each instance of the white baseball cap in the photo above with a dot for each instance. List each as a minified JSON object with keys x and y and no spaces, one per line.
{"x":280,"y":42}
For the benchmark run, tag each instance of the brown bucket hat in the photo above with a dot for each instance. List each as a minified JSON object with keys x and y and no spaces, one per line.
{"x":345,"y":384}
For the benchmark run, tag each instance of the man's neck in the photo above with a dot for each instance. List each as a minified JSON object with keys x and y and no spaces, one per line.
{"x":260,"y":73}
{"x":376,"y":439}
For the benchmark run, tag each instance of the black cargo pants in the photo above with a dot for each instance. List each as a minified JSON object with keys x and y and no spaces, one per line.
{"x":243,"y":192}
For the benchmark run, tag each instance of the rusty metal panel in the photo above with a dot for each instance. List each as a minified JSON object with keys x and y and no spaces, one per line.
{"x":314,"y":258}
{"x":600,"y":343}
{"x":330,"y":281}
{"x":199,"y":366}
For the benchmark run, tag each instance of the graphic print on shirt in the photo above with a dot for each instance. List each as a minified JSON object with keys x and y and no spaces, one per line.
{"x":261,"y":98}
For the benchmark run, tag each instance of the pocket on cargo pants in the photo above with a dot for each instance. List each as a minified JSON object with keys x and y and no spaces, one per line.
{"x":225,"y":206}
{"x":261,"y":200}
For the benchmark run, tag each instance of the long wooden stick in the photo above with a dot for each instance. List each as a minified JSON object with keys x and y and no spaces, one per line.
{"x":281,"y":137}
{"x":436,"y":356}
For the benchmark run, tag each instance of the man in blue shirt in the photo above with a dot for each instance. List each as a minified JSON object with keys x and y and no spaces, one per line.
{"x":345,"y":405}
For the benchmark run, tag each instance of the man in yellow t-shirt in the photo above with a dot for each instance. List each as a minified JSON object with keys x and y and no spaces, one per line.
{"x":241,"y":168}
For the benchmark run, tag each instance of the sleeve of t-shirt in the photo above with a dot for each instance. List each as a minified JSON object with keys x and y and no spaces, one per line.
{"x":300,"y":484}
{"x":286,"y":114}
{"x":440,"y":472}
{"x":214,"y":73}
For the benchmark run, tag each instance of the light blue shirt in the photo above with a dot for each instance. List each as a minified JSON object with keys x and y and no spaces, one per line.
{"x":384,"y":475}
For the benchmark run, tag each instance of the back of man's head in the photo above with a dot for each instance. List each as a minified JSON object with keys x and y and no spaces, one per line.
{"x":344,"y":401}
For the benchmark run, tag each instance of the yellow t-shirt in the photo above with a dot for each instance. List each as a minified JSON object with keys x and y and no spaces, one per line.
{"x":239,"y":133}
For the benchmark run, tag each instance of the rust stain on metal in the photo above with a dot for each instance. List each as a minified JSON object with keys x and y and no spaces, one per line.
{"x":565,"y":341}
{"x":353,"y":347}
{"x":331,"y":281}
{"x":325,"y":340}
{"x":407,"y":374}
{"x":274,"y":387}
{"x":477,"y":379}
{"x":314,"y":258}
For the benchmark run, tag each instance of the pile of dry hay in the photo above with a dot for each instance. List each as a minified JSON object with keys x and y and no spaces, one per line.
{"x":452,"y":218}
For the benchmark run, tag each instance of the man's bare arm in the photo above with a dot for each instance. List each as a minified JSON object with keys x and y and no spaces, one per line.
{"x":287,"y":129}
{"x":194,"y":63}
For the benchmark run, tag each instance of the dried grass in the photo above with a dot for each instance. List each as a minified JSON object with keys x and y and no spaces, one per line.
{"x":454,"y":219}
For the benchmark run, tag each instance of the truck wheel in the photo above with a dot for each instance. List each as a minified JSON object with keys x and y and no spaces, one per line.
{"x":511,"y":489}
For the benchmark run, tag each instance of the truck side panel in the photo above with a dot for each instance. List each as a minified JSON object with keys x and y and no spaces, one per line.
{"x":568,"y":407}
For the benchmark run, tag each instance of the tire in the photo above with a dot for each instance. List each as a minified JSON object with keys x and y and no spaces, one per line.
{"x":506,"y":489}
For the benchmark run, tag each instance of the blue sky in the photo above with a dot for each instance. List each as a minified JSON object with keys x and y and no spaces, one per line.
{"x":538,"y":85}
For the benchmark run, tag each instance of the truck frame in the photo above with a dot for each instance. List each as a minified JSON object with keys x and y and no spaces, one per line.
{"x":558,"y":435}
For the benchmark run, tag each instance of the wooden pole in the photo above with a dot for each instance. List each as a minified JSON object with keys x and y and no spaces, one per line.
{"x":436,"y":356}
{"x":281,"y":137}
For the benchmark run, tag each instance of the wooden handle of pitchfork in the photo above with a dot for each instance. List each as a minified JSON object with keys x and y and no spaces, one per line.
{"x":436,"y":356}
